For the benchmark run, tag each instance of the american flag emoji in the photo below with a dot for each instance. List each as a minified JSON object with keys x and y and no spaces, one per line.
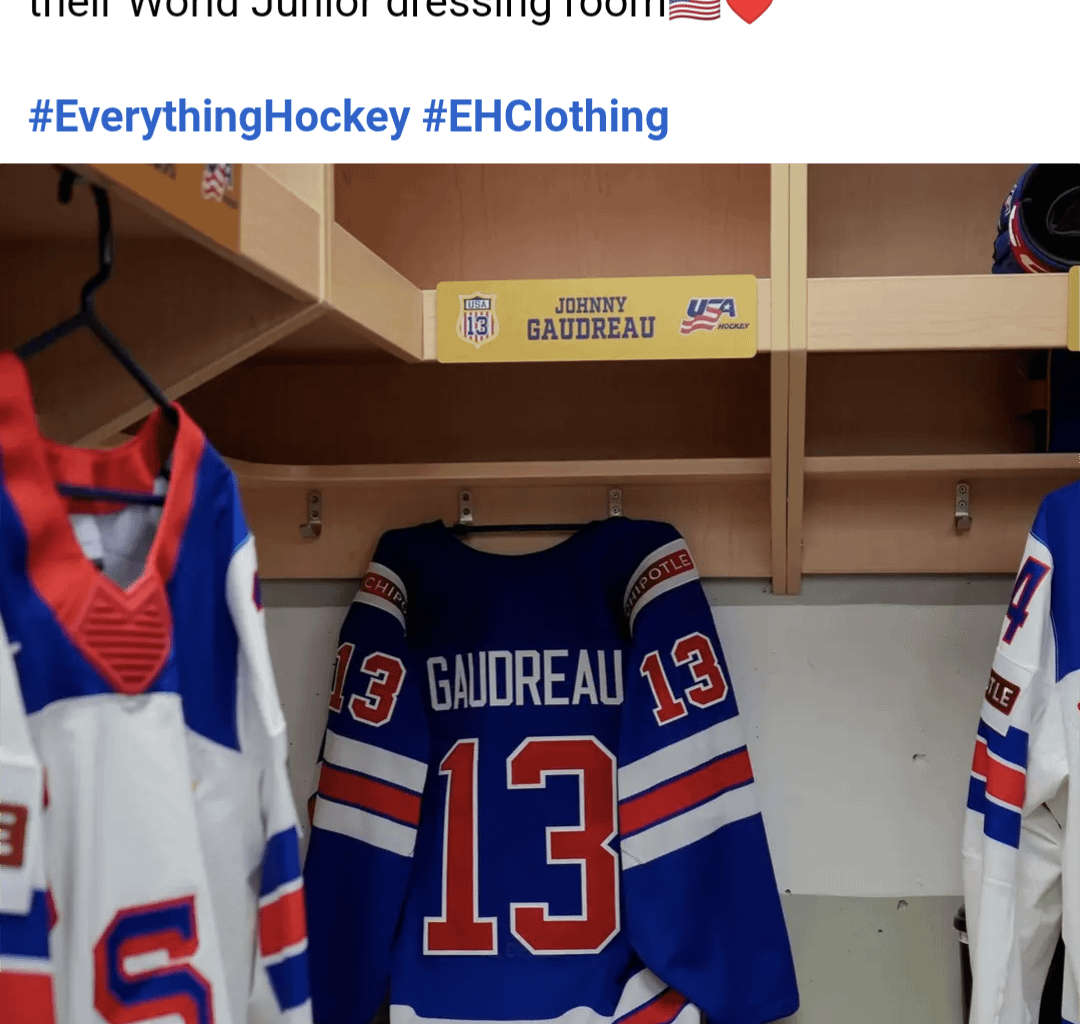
{"x":216,"y":181}
{"x":699,"y":10}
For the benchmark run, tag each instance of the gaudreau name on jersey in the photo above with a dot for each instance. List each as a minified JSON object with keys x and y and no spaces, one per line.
{"x":542,"y":678}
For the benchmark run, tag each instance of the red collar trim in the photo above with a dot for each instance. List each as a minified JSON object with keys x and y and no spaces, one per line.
{"x":56,"y":565}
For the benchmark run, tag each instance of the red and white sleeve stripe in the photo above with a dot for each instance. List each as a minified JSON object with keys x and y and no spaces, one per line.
{"x":370,"y":794}
{"x":684,"y":792}
{"x":645,"y":999}
{"x":26,"y":988}
{"x":282,"y":922}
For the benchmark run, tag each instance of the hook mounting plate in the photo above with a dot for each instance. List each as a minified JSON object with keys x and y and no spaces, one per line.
{"x":312,"y":529}
{"x":963,"y":506}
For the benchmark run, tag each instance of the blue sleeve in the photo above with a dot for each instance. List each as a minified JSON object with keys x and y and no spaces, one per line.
{"x":701,"y":902}
{"x":25,"y":962}
{"x":367,"y":808}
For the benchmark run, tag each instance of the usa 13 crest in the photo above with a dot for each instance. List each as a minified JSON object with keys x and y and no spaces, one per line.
{"x":477,"y":323}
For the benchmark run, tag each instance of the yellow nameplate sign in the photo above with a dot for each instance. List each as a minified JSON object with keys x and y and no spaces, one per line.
{"x":597,"y":319}
{"x":1074,"y":309}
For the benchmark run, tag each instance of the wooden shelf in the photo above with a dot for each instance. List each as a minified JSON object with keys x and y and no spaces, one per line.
{"x":280,"y":236}
{"x":955,"y":466}
{"x":722,"y":506}
{"x":610,"y":471}
{"x":978,"y":312}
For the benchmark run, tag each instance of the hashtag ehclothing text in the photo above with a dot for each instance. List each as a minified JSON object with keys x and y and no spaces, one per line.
{"x":249,"y":123}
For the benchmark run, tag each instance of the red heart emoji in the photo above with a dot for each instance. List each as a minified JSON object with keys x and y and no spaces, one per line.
{"x":749,"y":10}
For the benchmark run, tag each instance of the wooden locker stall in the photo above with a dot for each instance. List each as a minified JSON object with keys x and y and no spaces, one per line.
{"x":910,"y":368}
{"x":356,"y":407}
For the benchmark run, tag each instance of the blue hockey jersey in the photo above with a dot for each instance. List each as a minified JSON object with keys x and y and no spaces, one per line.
{"x":535,"y":800}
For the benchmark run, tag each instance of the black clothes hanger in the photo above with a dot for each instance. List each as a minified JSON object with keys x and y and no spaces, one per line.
{"x":465,"y":529}
{"x":465,"y":526}
{"x":110,"y":495}
{"x":87,"y":317}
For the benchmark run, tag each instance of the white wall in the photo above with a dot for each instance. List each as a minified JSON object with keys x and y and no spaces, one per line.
{"x":860,"y":718}
{"x":302,"y":646}
{"x":861,"y":723}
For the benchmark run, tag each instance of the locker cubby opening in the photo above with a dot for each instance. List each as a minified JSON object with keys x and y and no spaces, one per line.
{"x":891,"y":436}
{"x":391,"y":437}
{"x":388,"y":444}
{"x":505,"y":222}
{"x":901,"y":220}
{"x":383,"y":411}
{"x":919,"y":403}
{"x":323,"y":399}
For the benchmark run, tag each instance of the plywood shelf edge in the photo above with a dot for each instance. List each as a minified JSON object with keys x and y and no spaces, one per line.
{"x":377,"y":301}
{"x":606,"y":471}
{"x":977,"y":465}
{"x":983,"y":311}
{"x":281,"y":234}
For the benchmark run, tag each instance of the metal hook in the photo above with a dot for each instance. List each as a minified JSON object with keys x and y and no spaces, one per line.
{"x":312,"y":529}
{"x":963,"y":507}
{"x":465,"y":516}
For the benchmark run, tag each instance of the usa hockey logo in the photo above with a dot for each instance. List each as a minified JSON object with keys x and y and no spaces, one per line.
{"x":705,"y":314}
{"x":477,"y":323}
